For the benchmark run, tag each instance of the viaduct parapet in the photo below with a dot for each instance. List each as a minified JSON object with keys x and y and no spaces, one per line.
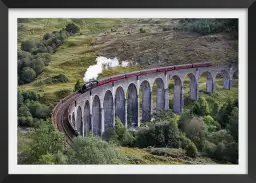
{"x":96,"y":110}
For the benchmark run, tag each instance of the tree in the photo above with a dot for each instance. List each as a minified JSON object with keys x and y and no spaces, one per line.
{"x":215,"y":109}
{"x":37,"y":65}
{"x":20,"y":99}
{"x":28,"y":74}
{"x":225,"y":112}
{"x":28,"y":45}
{"x":201,"y":107}
{"x":233,"y":123}
{"x":72,"y":28}
{"x":46,"y":139}
{"x":78,"y":85}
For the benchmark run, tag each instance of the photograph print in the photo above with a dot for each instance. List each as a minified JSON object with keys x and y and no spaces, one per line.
{"x":127,"y":91}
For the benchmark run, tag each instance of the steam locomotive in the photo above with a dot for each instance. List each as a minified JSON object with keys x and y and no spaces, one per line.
{"x":93,"y":84}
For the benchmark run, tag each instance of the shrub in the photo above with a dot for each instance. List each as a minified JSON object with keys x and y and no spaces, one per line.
{"x":195,"y":129}
{"x":72,"y":28}
{"x":191,"y":150}
{"x":158,"y":135}
{"x":25,"y":121}
{"x":46,"y":139}
{"x":28,"y":74}
{"x":37,"y":65}
{"x":20,"y":99}
{"x":78,"y":85}
{"x":209,"y":148}
{"x":38,"y":110}
{"x":142,"y":30}
{"x":211,"y":123}
{"x":215,"y":110}
{"x":233,"y":123}
{"x":201,"y":107}
{"x":93,"y":150}
{"x":30,"y":95}
{"x":119,"y":134}
{"x":29,"y":45}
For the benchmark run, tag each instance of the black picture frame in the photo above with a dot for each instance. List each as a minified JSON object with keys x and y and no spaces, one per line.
{"x":6,"y":4}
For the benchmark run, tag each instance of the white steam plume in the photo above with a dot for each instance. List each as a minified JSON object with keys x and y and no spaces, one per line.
{"x":102,"y":62}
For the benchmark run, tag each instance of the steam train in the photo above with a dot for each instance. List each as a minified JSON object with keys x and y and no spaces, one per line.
{"x":93,"y":84}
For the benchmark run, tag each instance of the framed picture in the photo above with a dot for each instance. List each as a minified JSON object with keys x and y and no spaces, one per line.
{"x":127,"y":88}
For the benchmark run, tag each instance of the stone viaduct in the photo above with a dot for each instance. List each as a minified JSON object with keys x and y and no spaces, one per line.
{"x":96,"y":110}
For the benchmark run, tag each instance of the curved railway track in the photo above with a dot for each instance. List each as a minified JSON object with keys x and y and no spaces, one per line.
{"x":60,"y":117}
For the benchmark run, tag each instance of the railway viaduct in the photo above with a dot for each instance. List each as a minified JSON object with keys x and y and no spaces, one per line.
{"x":96,"y":110}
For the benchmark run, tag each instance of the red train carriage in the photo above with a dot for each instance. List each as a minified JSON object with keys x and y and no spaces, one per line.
{"x":202,"y":64}
{"x":117,"y":77}
{"x":165,"y":69}
{"x":148,"y":71}
{"x":104,"y":81}
{"x":185,"y":66}
{"x":132,"y":74}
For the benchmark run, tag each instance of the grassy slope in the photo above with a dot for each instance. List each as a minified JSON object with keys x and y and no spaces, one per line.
{"x":72,"y":58}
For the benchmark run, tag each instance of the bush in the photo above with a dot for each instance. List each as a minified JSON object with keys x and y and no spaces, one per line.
{"x":38,"y":110}
{"x":30,"y":95}
{"x":93,"y":150}
{"x":46,"y":140}
{"x":142,"y":30}
{"x":232,"y":126}
{"x":158,"y":135}
{"x":78,"y":85}
{"x":37,"y":65}
{"x":25,"y":121}
{"x":225,"y":112}
{"x":72,"y":28}
{"x":119,"y":134}
{"x":201,"y":107}
{"x":28,"y":74}
{"x":195,"y":129}
{"x":29,"y":45}
{"x":191,"y":150}
{"x":211,"y":123}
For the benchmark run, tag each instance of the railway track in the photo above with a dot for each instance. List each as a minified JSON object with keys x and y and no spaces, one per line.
{"x":60,"y":117}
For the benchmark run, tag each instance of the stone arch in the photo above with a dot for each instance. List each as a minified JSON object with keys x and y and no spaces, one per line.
{"x":120,"y":104}
{"x":87,"y":118}
{"x":96,"y":116}
{"x":193,"y":86}
{"x":227,"y":83}
{"x":160,"y":94}
{"x":108,"y":110}
{"x":146,"y":101}
{"x":177,"y":94}
{"x":79,"y":121}
{"x":73,"y":119}
{"x":209,"y":81}
{"x":132,"y":106}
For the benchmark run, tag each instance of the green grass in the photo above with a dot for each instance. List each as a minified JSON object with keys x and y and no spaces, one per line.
{"x":72,"y":58}
{"x":170,"y":156}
